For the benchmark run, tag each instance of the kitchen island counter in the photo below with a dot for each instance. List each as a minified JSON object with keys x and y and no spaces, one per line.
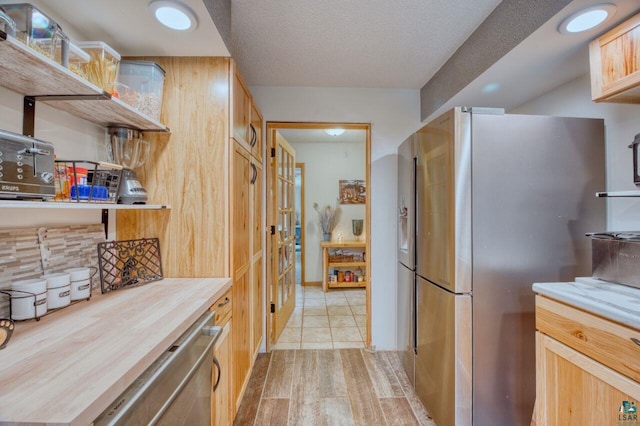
{"x":69,"y":366}
{"x":612,"y":301}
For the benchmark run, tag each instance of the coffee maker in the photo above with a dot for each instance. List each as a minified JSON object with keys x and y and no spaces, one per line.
{"x":130,"y":151}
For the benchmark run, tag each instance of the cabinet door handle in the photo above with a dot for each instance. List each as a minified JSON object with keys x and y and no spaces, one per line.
{"x":226,"y":302}
{"x":254,"y":176}
{"x":636,"y":341}
{"x":254,"y":136}
{"x":217,"y":364}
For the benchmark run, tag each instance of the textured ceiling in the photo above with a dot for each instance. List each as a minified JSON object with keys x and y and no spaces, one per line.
{"x":355,"y":43}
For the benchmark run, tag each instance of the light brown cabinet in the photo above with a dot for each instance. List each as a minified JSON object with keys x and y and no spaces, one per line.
{"x":241,"y":120}
{"x":256,"y":130}
{"x":246,"y":199}
{"x":241,"y":214}
{"x":205,"y":171}
{"x":586,"y":367}
{"x":257,"y":232}
{"x":221,"y":404}
{"x":615,"y":64}
{"x":222,"y":409}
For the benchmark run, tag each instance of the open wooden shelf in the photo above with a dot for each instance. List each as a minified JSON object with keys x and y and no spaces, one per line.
{"x":346,"y":264}
{"x":20,"y":204}
{"x":25,"y":71}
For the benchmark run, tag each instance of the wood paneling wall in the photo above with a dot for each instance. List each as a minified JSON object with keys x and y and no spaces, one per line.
{"x":194,"y":233}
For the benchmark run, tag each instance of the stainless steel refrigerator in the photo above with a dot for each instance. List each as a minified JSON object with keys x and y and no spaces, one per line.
{"x":406,"y":330}
{"x":502,"y":201}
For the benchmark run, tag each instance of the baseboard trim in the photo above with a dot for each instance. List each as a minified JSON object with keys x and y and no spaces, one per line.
{"x":312,"y":283}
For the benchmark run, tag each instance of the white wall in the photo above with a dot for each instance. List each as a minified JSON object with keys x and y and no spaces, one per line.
{"x":73,"y":139}
{"x":324,"y":165}
{"x":622,"y":123}
{"x":394,"y":115}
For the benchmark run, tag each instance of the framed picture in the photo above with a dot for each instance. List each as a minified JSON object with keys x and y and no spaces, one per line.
{"x":352,"y":192}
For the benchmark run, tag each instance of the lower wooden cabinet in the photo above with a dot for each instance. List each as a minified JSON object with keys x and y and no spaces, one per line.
{"x":258,"y":312}
{"x":571,"y":387}
{"x":222,"y":409}
{"x":241,"y":314}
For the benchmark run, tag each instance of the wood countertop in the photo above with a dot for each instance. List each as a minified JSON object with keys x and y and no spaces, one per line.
{"x":69,"y":366}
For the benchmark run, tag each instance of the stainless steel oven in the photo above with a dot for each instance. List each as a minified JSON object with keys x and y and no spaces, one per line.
{"x":176,"y":389}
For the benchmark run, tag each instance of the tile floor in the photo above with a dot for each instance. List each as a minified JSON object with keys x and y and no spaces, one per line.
{"x":333,"y":320}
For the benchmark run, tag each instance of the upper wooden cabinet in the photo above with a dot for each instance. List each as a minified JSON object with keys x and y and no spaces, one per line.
{"x":241,"y":110}
{"x":256,"y":131}
{"x":615,"y":64}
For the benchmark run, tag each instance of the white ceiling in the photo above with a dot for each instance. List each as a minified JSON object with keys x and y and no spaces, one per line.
{"x":337,"y":43}
{"x":320,"y":136}
{"x":128,"y":27}
{"x":543,"y":61}
{"x":355,"y":43}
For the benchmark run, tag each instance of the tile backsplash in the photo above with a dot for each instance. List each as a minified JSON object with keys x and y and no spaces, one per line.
{"x":31,"y":252}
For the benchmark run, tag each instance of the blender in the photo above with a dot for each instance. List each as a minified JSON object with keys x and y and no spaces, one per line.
{"x":130,"y":151}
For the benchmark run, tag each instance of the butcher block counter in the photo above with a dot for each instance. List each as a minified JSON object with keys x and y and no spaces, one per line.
{"x":68,"y":367}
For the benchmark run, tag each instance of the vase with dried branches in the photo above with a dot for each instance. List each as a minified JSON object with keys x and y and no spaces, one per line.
{"x":328,"y":216}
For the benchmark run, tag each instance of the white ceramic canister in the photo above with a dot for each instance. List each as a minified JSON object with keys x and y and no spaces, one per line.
{"x":80,"y":283}
{"x":25,"y":294}
{"x":58,"y":290}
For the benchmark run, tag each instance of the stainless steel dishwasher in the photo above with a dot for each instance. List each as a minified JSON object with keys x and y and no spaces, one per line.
{"x":176,"y":389}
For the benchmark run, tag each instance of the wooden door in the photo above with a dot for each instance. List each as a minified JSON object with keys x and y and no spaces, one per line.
{"x":283,"y":280}
{"x":573,"y":389}
{"x":222,"y":409}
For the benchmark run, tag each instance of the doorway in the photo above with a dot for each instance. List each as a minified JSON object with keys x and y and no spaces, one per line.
{"x":329,"y":165}
{"x":300,"y":219}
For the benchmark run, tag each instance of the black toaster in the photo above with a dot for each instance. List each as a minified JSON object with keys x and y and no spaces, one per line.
{"x":26,"y":167}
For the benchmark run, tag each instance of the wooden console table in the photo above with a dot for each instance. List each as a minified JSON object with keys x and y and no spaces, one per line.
{"x":329,"y":248}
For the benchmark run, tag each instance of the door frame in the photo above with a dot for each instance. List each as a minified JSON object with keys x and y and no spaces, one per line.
{"x":276,"y":125}
{"x":302,"y":250}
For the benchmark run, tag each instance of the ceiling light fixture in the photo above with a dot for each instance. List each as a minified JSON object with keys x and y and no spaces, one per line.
{"x":586,"y":19}
{"x":491,"y":87}
{"x":173,"y":14}
{"x":334,"y":132}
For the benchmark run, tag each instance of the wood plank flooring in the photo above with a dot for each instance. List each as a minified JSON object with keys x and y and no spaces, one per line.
{"x":330,"y":387}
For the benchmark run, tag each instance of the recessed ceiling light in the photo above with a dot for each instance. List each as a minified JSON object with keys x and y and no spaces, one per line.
{"x":334,"y":132}
{"x":587,"y":18}
{"x":174,"y":15}
{"x":491,"y":87}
